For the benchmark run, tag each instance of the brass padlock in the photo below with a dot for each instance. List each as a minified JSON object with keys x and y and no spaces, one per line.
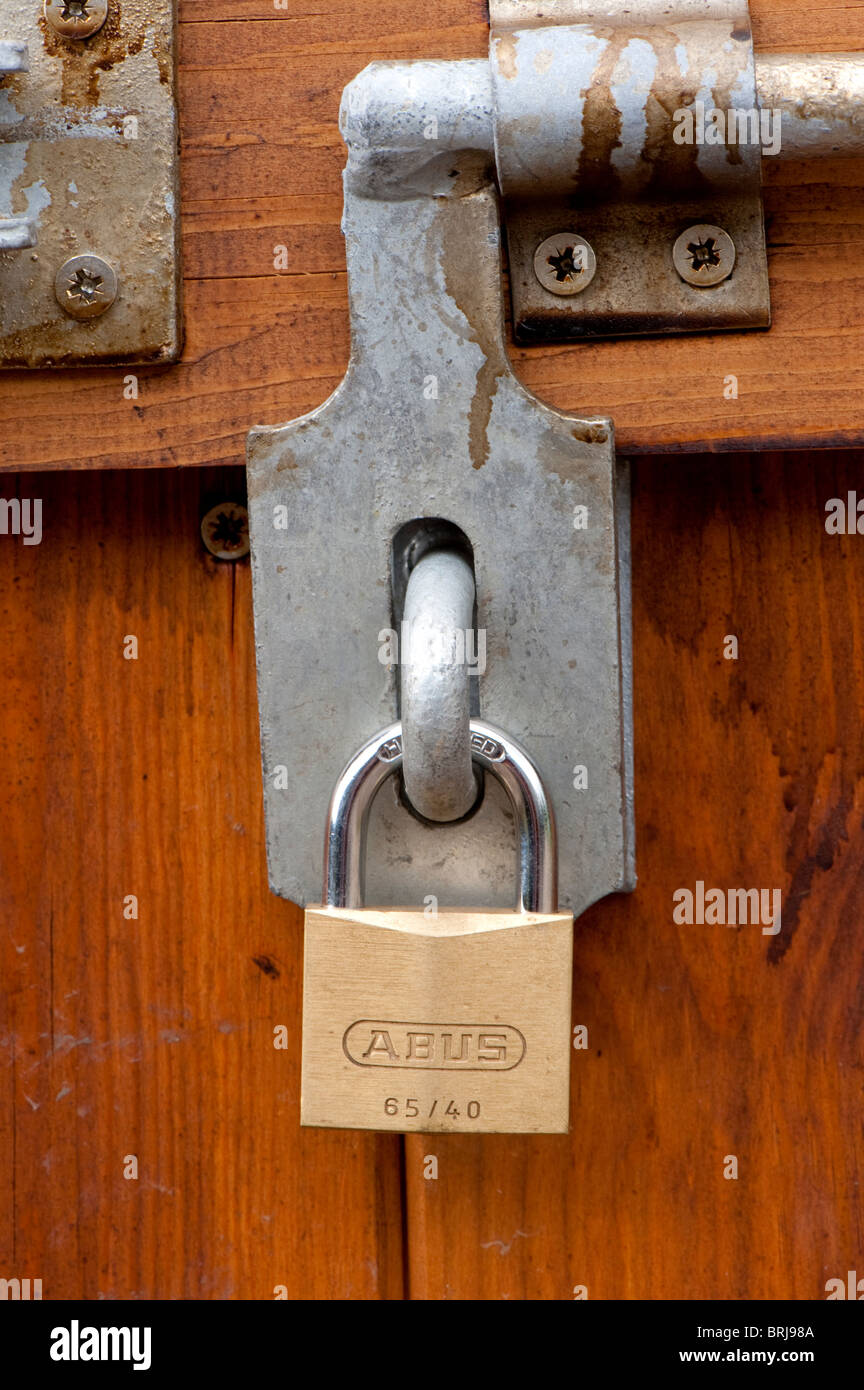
{"x":455,"y":1021}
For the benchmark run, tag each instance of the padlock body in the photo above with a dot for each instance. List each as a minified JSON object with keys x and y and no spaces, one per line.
{"x":455,"y":1023}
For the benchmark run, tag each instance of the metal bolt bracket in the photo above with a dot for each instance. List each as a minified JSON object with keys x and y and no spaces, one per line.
{"x":577,"y":110}
{"x":89,"y":141}
{"x":431,"y":422}
{"x":585,"y":95}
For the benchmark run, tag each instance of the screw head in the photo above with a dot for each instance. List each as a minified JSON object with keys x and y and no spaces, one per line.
{"x":76,"y":19}
{"x":85,"y":287}
{"x":565,"y":264}
{"x":704,"y":255}
{"x":225,"y":531}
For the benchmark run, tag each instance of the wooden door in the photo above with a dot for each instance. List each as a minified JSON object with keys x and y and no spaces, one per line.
{"x":145,"y":964}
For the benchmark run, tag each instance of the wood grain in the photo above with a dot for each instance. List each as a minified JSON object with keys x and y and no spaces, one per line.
{"x":704,"y":1041}
{"x":261,"y":167}
{"x":155,"y":1037}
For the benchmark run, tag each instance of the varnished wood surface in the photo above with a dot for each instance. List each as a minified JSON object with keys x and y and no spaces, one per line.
{"x":261,"y":167}
{"x":154,"y":1037}
{"x":704,"y":1041}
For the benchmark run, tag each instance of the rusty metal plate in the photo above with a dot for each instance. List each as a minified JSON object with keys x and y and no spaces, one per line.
{"x":636,"y":288}
{"x":588,"y":103}
{"x":89,"y":163}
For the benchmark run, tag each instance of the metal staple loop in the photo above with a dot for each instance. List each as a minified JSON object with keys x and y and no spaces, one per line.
{"x":436,"y":647}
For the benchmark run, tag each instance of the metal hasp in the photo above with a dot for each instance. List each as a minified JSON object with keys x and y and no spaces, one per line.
{"x":586,"y":95}
{"x":89,"y":184}
{"x":431,"y":423}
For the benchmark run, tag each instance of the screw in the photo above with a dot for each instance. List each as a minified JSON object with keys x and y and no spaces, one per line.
{"x":565,"y":264}
{"x":225,"y":531}
{"x":85,"y":287}
{"x":704,"y":255}
{"x":76,"y":19}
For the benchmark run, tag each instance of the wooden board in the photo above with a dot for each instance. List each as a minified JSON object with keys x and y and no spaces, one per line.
{"x":154,"y":1037}
{"x":261,"y":168}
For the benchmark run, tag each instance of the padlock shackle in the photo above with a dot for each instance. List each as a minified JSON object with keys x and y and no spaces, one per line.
{"x":347,"y":817}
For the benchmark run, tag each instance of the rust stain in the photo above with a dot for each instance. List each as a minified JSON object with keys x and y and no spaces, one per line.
{"x":590,"y":434}
{"x":722,"y":94}
{"x":164,"y":55}
{"x":671,"y":168}
{"x":505,"y":51}
{"x":477,"y":298}
{"x":481,"y":413}
{"x":601,"y":122}
{"x":674,"y":168}
{"x":83,"y":62}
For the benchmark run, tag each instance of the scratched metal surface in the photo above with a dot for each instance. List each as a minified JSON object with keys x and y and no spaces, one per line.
{"x":88,"y":153}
